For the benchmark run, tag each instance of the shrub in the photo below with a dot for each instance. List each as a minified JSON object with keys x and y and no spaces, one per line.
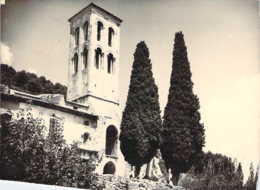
{"x":30,"y":154}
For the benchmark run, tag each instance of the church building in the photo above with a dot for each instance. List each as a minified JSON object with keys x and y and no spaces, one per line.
{"x":90,"y":113}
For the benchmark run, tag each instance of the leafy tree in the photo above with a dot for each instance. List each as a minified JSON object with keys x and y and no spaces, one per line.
{"x":217,"y":173}
{"x":20,"y":79}
{"x":28,"y":155}
{"x":7,"y":74}
{"x":31,"y":76}
{"x":183,"y":134}
{"x":141,"y":121}
{"x":21,"y":148}
{"x":48,"y":86}
{"x":29,"y":82}
{"x":33,"y":86}
{"x":57,"y":87}
{"x":42,"y":79}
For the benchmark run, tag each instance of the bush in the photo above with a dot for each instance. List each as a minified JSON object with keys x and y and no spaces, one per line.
{"x":30,"y":154}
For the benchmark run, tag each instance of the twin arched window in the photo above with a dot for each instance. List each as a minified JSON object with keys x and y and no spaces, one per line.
{"x":76,"y":60}
{"x":110,"y":60}
{"x":111,"y":32}
{"x":98,"y":59}
{"x":77,"y":33}
{"x":100,"y":26}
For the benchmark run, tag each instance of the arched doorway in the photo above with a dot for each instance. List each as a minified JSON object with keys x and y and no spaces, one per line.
{"x":111,"y":140}
{"x":109,"y":168}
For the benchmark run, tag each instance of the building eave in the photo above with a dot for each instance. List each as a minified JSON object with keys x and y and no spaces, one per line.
{"x":16,"y":98}
{"x":99,"y":8}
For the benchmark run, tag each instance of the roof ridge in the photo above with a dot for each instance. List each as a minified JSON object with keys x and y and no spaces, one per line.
{"x":97,"y":7}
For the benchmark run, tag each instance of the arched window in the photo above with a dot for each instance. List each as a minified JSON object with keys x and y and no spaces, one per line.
{"x":109,"y":168}
{"x":111,"y":140}
{"x":85,"y":58}
{"x":98,"y":57}
{"x":110,"y":63}
{"x":99,"y":28}
{"x":110,"y":35}
{"x":75,"y":61}
{"x":86,"y":31}
{"x":77,"y":36}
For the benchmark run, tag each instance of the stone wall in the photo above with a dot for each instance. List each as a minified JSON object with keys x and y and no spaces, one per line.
{"x":110,"y":182}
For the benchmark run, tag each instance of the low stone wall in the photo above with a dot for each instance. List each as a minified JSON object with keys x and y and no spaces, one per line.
{"x":110,"y":182}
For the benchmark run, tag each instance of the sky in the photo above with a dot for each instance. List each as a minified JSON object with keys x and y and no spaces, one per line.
{"x":222,"y":42}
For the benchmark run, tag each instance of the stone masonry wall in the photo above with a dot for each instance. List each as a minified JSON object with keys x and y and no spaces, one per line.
{"x":110,"y":182}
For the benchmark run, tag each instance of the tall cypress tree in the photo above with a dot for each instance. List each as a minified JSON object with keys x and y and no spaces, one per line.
{"x":141,"y":120}
{"x":240,"y":176}
{"x":183,"y":134}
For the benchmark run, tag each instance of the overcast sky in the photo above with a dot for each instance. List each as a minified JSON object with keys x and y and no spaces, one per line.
{"x":222,"y":41}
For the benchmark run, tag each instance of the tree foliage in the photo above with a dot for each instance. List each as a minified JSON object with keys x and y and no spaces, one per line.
{"x":22,"y":144}
{"x":30,"y":154}
{"x":215,"y":172}
{"x":141,"y":121}
{"x":29,"y":82}
{"x":7,"y":74}
{"x":183,"y":134}
{"x":252,"y":179}
{"x":256,"y":176}
{"x":239,"y":176}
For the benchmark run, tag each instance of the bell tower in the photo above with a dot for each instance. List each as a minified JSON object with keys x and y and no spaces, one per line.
{"x":93,"y":68}
{"x":93,"y":72}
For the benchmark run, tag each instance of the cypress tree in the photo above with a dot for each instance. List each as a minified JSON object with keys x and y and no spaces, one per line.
{"x":183,"y":134}
{"x":240,"y":176}
{"x":141,"y":120}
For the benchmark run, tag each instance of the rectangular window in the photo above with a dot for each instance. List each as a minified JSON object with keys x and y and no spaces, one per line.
{"x":56,"y":128}
{"x":52,"y":125}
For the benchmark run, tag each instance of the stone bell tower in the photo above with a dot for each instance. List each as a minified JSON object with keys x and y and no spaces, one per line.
{"x":93,"y":56}
{"x":93,"y":72}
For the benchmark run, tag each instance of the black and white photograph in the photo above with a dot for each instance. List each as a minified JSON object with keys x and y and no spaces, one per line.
{"x":129,"y":94}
